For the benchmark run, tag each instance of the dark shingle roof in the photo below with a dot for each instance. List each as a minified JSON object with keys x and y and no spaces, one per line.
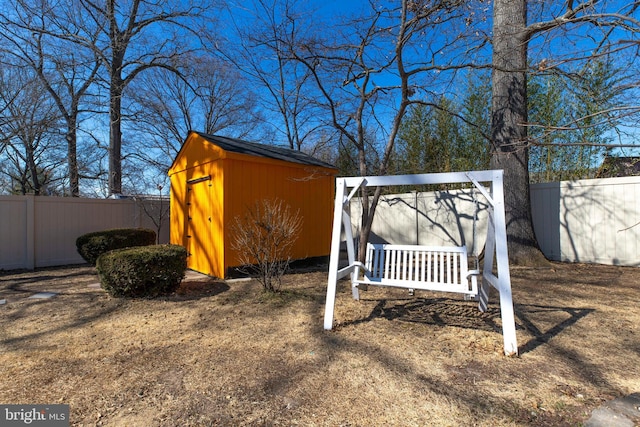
{"x":261,"y":150}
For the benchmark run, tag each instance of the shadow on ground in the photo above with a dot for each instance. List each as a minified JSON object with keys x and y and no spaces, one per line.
{"x":542,"y":322}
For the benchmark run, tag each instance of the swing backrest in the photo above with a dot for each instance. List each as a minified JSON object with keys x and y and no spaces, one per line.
{"x":437,"y":268}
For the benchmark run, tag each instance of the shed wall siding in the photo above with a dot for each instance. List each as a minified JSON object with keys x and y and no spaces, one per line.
{"x":309,"y":189}
{"x":178,"y":206}
{"x":202,"y":202}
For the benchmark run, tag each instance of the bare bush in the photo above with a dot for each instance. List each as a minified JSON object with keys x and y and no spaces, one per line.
{"x":263,"y":237}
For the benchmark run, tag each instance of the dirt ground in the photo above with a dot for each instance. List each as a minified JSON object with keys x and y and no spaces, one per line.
{"x":225,"y":354}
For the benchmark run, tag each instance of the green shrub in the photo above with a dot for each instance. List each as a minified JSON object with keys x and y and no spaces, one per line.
{"x":145,"y":271}
{"x":91,"y":245}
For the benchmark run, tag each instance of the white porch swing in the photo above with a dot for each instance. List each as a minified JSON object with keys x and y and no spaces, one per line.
{"x":433,"y":268}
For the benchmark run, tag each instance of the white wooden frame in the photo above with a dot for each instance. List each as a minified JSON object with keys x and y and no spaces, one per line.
{"x":495,"y":246}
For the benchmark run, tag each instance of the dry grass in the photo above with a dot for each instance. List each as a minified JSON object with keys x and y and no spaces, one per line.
{"x":227,"y":354}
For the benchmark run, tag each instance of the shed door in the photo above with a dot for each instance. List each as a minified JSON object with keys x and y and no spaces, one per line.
{"x":199,"y":224}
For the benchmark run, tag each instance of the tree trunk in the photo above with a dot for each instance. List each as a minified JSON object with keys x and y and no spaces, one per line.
{"x":115,"y":124}
{"x":510,"y":150}
{"x":365,"y":221}
{"x":72,"y":158}
{"x":115,"y":143}
{"x":33,"y":168}
{"x":116,"y":87}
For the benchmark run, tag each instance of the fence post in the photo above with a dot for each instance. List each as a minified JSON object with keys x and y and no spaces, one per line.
{"x":30,"y":232}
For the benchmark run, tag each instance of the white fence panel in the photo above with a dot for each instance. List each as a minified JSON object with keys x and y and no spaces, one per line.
{"x":42,"y":231}
{"x":442,"y":218}
{"x":576,"y":221}
{"x":16,"y":232}
{"x":589,"y":220}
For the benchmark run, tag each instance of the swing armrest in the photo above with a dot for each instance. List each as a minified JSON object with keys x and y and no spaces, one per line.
{"x":473,"y":273}
{"x":362,"y":266}
{"x":366,"y":273}
{"x":351,"y":269}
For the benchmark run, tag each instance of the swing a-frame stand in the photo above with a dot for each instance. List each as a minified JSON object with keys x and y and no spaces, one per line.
{"x":427,"y":267}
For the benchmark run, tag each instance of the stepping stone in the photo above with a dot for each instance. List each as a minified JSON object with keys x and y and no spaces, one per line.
{"x":620,"y":412}
{"x":628,"y":406}
{"x":240,"y":279}
{"x":191,"y":276}
{"x":43,"y":295}
{"x":606,"y":417}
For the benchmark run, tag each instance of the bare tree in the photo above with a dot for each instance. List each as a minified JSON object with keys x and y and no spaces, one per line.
{"x":264,"y":237}
{"x":156,"y":208}
{"x":33,"y":34}
{"x":384,"y":64}
{"x":208,"y":95}
{"x":369,"y":70}
{"x":261,"y":54}
{"x":511,"y":39}
{"x":28,"y":133}
{"x":137,"y":35}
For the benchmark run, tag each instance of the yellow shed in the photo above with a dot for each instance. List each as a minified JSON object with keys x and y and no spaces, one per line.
{"x":214,"y":179}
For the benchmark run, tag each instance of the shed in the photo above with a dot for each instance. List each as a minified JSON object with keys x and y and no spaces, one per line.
{"x":215,"y":179}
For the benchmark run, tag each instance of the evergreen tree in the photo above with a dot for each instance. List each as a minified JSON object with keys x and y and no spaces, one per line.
{"x":568,"y":137}
{"x":413,"y":144}
{"x":546,"y":110}
{"x":446,"y":138}
{"x":428,"y":139}
{"x":476,"y":127}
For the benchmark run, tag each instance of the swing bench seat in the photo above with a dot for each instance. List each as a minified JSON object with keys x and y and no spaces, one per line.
{"x":432,"y":268}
